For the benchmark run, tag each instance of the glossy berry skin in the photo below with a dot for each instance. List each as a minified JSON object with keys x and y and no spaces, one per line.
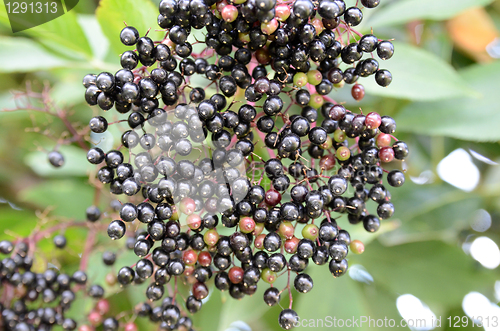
{"x":60,"y":241}
{"x":383,"y":77}
{"x":371,"y":223}
{"x":200,"y":291}
{"x":385,"y":50}
{"x":303,"y":283}
{"x":327,"y":231}
{"x":6,"y":247}
{"x":183,"y":198}
{"x":353,"y":16}
{"x":116,"y":229}
{"x":370,"y":3}
{"x":373,"y":120}
{"x":338,"y":268}
{"x":400,"y":149}
{"x":271,"y":296}
{"x":98,"y":124}
{"x":351,"y":53}
{"x":272,"y":242}
{"x":358,"y":92}
{"x":388,"y":125}
{"x":368,"y":43}
{"x":317,"y":135}
{"x":288,"y":319}
{"x":56,"y":159}
{"x":305,"y":248}
{"x":385,"y":210}
{"x":129,"y":36}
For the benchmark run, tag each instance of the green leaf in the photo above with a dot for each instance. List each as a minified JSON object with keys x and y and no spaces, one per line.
{"x":62,"y":35}
{"x":427,"y":212}
{"x":24,"y":55}
{"x":455,"y":117}
{"x":73,"y":165}
{"x":403,"y":11}
{"x":98,"y":41}
{"x":447,"y":272}
{"x":342,"y":298}
{"x":69,"y":198}
{"x":141,"y":14}
{"x":418,"y":75}
{"x":221,"y":310}
{"x":9,"y":219}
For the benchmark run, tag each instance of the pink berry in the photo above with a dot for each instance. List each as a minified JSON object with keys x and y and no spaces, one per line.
{"x":286,"y":229}
{"x":229,"y":13}
{"x":235,"y":275}
{"x":373,"y":120}
{"x":259,"y":241}
{"x":187,"y":206}
{"x":358,"y":92}
{"x":386,"y":154}
{"x":291,"y":245}
{"x":269,"y":27}
{"x":193,"y":221}
{"x":130,"y":327}
{"x":200,"y":290}
{"x":95,"y":318}
{"x":282,"y":12}
{"x":102,"y":306}
{"x":247,"y":224}
{"x":204,"y":259}
{"x":190,"y":257}
{"x":383,"y":140}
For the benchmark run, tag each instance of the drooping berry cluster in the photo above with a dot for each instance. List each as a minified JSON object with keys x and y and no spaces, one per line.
{"x":189,"y":161}
{"x":33,"y":300}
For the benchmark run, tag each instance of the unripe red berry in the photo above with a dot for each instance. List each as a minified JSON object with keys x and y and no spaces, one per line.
{"x":291,"y":245}
{"x":235,"y":275}
{"x":247,"y":224}
{"x":190,"y":257}
{"x":95,"y":318}
{"x":102,"y":306}
{"x":130,"y":327}
{"x":286,"y":229}
{"x":373,"y":120}
{"x":383,"y":140}
{"x":193,"y":221}
{"x":358,"y":92}
{"x":259,"y":241}
{"x":211,"y":237}
{"x":204,"y":259}
{"x":200,"y":290}
{"x":229,"y":13}
{"x":386,"y":154}
{"x":357,"y":247}
{"x":187,"y":206}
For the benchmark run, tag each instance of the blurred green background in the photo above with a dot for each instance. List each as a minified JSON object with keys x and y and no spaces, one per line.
{"x":436,"y":258}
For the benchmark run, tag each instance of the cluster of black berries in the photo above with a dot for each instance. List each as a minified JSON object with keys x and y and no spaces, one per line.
{"x":189,"y":164}
{"x":36,"y":301}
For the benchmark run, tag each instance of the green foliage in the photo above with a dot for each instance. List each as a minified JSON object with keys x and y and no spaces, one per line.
{"x":112,"y":14}
{"x":455,"y":117}
{"x":33,"y":57}
{"x":403,"y":11}
{"x":418,"y":75}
